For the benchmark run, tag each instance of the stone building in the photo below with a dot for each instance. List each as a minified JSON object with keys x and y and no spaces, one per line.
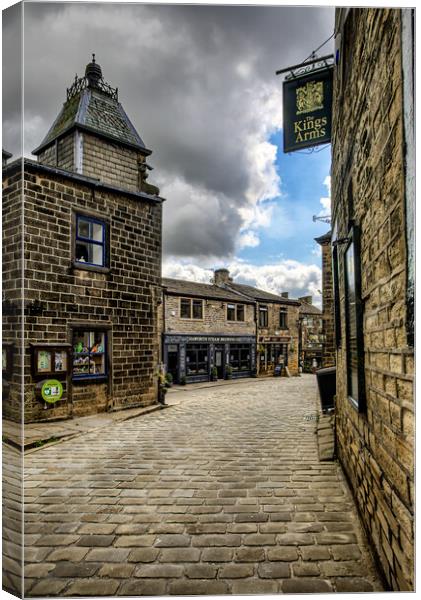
{"x":329,"y":339}
{"x":373,"y":250}
{"x":91,"y":235}
{"x":228,"y":326}
{"x":311,"y":335}
{"x":206,"y":327}
{"x":277,"y":325}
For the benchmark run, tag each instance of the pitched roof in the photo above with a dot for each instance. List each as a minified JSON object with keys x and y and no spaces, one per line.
{"x":309,"y":309}
{"x":325,"y":238}
{"x":258,"y":294}
{"x":92,"y":105}
{"x":181,"y":287}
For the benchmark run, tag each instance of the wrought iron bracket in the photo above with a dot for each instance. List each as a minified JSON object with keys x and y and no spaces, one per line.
{"x":309,"y":66}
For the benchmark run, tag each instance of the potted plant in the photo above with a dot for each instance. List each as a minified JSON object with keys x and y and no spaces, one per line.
{"x":183,"y":380}
{"x":168,"y":380}
{"x":214,"y":374}
{"x":162,"y":390}
{"x":228,"y":372}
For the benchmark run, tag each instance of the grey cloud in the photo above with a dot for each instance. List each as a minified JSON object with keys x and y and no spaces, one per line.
{"x":176,"y":69}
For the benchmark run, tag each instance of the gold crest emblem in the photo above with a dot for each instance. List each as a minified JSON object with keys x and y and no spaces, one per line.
{"x":309,"y":97}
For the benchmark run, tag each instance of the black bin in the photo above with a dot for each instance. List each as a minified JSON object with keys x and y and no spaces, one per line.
{"x":326,"y":380}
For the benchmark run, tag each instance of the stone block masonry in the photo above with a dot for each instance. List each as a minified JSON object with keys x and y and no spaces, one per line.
{"x":376,"y":446}
{"x":122,"y":299}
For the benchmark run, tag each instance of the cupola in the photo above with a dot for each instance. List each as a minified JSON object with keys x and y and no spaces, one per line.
{"x":93,"y":136}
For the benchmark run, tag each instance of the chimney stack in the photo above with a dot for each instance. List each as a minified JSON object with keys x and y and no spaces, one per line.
{"x":222,"y":276}
{"x":285,"y":294}
{"x":307,"y":299}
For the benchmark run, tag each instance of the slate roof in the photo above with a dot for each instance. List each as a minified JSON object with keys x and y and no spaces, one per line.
{"x":233,"y":291}
{"x":309,"y":309}
{"x":181,"y":287}
{"x":258,"y":294}
{"x":325,"y":238}
{"x":94,"y":110}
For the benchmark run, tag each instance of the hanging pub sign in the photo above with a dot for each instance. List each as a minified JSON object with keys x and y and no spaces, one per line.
{"x":307,"y":110}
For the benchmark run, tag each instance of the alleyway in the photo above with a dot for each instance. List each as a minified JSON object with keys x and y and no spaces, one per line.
{"x":221,"y":493}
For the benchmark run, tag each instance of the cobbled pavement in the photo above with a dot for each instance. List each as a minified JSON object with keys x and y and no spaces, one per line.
{"x":222,"y":493}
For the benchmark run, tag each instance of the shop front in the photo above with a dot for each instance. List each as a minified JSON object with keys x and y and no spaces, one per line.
{"x":273,"y":352}
{"x":195,"y":358}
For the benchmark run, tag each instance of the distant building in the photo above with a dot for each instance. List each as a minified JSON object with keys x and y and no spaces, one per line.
{"x":206,"y":328}
{"x":373,"y":199}
{"x":311,"y":335}
{"x":91,"y":237}
{"x":277,"y":321}
{"x":329,"y":339}
{"x":222,"y":329}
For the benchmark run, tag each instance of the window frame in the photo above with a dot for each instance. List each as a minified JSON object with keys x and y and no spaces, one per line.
{"x":283,"y":323}
{"x":354,"y":311}
{"x":263,"y":310}
{"x":52,"y":349}
{"x":237,"y":361}
{"x":196,"y":349}
{"x":234,"y":307}
{"x":336,"y":296}
{"x":191,"y":302}
{"x":105,"y":243}
{"x":85,"y":377}
{"x":231,"y":307}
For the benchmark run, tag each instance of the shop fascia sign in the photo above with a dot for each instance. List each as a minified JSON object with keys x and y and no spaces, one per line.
{"x":307,"y":104}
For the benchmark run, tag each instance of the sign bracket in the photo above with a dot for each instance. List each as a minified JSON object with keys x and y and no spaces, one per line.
{"x":308,"y":66}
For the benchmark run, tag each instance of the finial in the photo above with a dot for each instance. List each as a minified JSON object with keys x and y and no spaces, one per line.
{"x":93,"y":73}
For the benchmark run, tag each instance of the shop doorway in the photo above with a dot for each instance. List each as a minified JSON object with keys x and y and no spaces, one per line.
{"x":219,"y":361}
{"x":172,"y":362}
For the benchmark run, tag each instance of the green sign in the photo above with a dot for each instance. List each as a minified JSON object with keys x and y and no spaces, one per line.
{"x":307,"y":110}
{"x":52,"y":390}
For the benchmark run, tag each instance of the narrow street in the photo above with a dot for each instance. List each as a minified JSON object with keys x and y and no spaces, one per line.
{"x":222,"y":493}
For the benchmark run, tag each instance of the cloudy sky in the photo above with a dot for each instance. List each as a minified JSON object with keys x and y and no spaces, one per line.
{"x":199,"y":84}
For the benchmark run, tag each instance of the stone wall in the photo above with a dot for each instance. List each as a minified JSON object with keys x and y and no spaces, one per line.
{"x":329,"y":346}
{"x":111,"y":163}
{"x":376,"y":447}
{"x":122,"y":300}
{"x":101,"y":159}
{"x":12,"y":289}
{"x":214,"y":318}
{"x":61,"y":156}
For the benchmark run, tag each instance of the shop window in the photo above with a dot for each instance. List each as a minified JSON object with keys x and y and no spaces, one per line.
{"x":263,"y":316}
{"x":191,"y":309}
{"x":283,"y":319}
{"x":90,"y":242}
{"x":89,"y":354}
{"x":354,"y":322}
{"x":197,"y":359}
{"x":240,"y":357}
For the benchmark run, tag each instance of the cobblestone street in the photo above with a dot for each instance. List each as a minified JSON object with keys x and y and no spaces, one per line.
{"x":222,"y":493}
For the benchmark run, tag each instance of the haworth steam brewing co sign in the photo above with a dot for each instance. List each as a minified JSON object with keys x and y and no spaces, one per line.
{"x":307,"y":110}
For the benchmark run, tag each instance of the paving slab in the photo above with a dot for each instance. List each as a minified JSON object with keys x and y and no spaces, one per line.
{"x":224,"y":494}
